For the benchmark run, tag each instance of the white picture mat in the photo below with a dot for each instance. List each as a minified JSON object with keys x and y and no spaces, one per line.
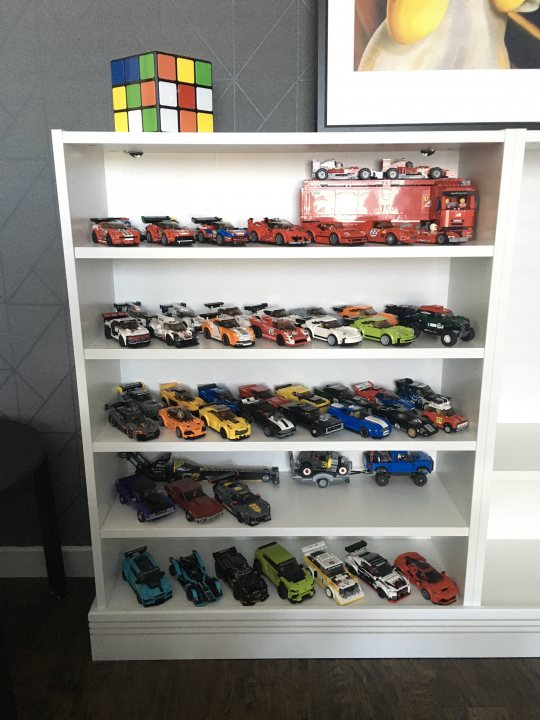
{"x":412,"y":97}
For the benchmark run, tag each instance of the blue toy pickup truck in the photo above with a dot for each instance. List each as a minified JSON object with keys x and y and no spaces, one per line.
{"x":385,"y":463}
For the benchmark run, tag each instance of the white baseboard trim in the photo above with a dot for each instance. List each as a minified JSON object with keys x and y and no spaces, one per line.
{"x":27,"y":562}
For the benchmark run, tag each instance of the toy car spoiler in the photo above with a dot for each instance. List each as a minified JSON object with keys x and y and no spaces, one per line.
{"x":112,"y":315}
{"x":255,"y":308}
{"x":214,"y":304}
{"x":166,"y":386}
{"x":210,"y":315}
{"x":155,"y":218}
{"x":136,"y":551}
{"x":109,"y":219}
{"x":165,"y":308}
{"x":309,"y":549}
{"x":205,"y":220}
{"x":360,"y":545}
{"x":286,"y":385}
{"x":122,"y":307}
{"x":208,"y":386}
{"x":130,"y":386}
{"x":339,"y":308}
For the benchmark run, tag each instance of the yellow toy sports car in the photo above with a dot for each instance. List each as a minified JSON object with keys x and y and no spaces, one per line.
{"x":221,"y":419}
{"x":302,"y":395}
{"x":173,"y":394}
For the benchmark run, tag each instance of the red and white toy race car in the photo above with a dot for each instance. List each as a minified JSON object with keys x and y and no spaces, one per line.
{"x":167,"y":231}
{"x":114,"y":231}
{"x":277,"y":232}
{"x":276,"y":324}
{"x":126,"y":330}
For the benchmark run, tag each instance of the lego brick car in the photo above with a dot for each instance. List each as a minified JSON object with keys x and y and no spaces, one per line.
{"x":443,"y":416}
{"x":132,"y":421}
{"x":336,"y":170}
{"x":381,"y":330}
{"x":322,"y":467}
{"x":337,"y":233}
{"x":376,"y":395}
{"x":407,"y":420}
{"x":182,"y":421}
{"x":138,"y":394}
{"x":361,"y":421}
{"x":419,"y":394}
{"x":318,"y":424}
{"x":247,"y":585}
{"x":331,"y":330}
{"x":302,"y":395}
{"x":255,"y":392}
{"x":229,"y":310}
{"x":340,"y":393}
{"x":435,"y":320}
{"x":197,"y":505}
{"x":225,"y":422}
{"x":148,"y":502}
{"x":114,"y":231}
{"x":215,"y":229}
{"x":276,"y":231}
{"x":135,"y":309}
{"x":228,"y":330}
{"x":271,"y":419}
{"x":282,"y":330}
{"x":173,"y":394}
{"x":147,"y":581}
{"x":301,"y":314}
{"x":172,"y":331}
{"x":167,"y":231}
{"x":349,"y":313}
{"x":201,"y":588}
{"x":435,"y":586}
{"x":388,"y":582}
{"x":386,"y":463}
{"x":402,"y":169}
{"x":129,"y":333}
{"x":183,"y":312}
{"x":218,"y":393}
{"x":247,"y":507}
{"x":293,"y":581}
{"x":331,"y":574}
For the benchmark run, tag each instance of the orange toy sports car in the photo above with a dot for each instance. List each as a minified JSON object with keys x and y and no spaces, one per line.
{"x":228,"y":330}
{"x":352,"y":312}
{"x":179,"y":419}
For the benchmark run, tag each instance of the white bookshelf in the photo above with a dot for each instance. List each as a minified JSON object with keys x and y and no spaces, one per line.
{"x":241,"y":175}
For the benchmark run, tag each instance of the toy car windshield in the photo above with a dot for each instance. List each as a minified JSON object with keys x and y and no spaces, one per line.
{"x":177,"y":326}
{"x":184,"y":394}
{"x":136,"y":418}
{"x":182,"y":414}
{"x":224,"y":225}
{"x":233,"y":310}
{"x":228,"y":323}
{"x":130,"y":324}
{"x":331,"y":324}
{"x":382,"y":570}
{"x":306,"y":395}
{"x":226,"y":415}
{"x":151,"y":578}
{"x":279,"y":223}
{"x":432,"y":576}
{"x":118,"y":225}
{"x":381,"y":324}
{"x":291,"y":570}
{"x":285,"y":325}
{"x":170,"y":225}
{"x":142,"y":396}
{"x":280,"y":312}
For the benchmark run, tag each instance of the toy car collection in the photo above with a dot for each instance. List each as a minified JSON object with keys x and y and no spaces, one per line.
{"x":293,"y":582}
{"x":247,"y":507}
{"x":320,"y":467}
{"x":175,"y":394}
{"x":218,"y":393}
{"x":308,"y":417}
{"x":224,"y":421}
{"x":385,"y":579}
{"x":381,"y":330}
{"x":114,"y":231}
{"x":247,"y":585}
{"x":330,"y":573}
{"x":385,"y":463}
{"x":128,"y":332}
{"x":331,"y":330}
{"x":182,"y":421}
{"x":360,"y":420}
{"x":132,"y":421}
{"x":434,"y":320}
{"x":197,"y":505}
{"x":302,"y":395}
{"x":166,"y":230}
{"x":214,"y":229}
{"x":172,"y":331}
{"x":407,"y":420}
{"x":201,"y":589}
{"x":435,"y":586}
{"x":148,"y":582}
{"x":276,"y":232}
{"x":229,"y":331}
{"x":138,"y":394}
{"x":140,"y":491}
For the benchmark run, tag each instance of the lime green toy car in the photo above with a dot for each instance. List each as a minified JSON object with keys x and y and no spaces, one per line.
{"x":380,"y":329}
{"x":294,"y":583}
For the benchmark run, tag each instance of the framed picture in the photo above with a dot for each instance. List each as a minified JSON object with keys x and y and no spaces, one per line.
{"x":410,"y":64}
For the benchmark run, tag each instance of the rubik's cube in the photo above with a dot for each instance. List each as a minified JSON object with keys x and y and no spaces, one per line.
{"x":160,"y":92}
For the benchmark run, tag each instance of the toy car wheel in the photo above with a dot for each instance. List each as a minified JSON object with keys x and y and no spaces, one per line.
{"x":112,"y":421}
{"x":239,"y":517}
{"x":253,"y":236}
{"x":223,"y":433}
{"x":322,"y":482}
{"x":267,"y":430}
{"x":141,"y":517}
{"x":382,"y":478}
{"x":219,"y":239}
{"x":469,"y":336}
{"x":122,"y":341}
{"x":164,"y":240}
{"x":447,"y":428}
{"x":306,"y":470}
{"x":333,"y":239}
{"x":441,"y":239}
{"x":386,"y":340}
{"x":107,"y":332}
{"x":236,"y":593}
{"x":200,"y":236}
{"x":422,"y":470}
{"x":160,"y":420}
{"x":169,"y":340}
{"x":94,"y":237}
{"x":321,"y":174}
{"x":280,"y":341}
{"x":151,"y":331}
{"x":189,"y":517}
{"x":436,"y":173}
{"x":148,"y":237}
{"x":364,"y":432}
{"x":343,"y":470}
{"x":391,"y":238}
{"x":364,"y":174}
{"x":190,"y":594}
{"x":419,"y":479}
{"x":417,"y":329}
{"x":207,"y":333}
{"x":123,"y":500}
{"x":130,"y":433}
{"x":179,"y":433}
{"x":332,"y":340}
{"x":310,"y":235}
{"x":226,"y":341}
{"x":172,"y":570}
{"x":109,"y":240}
{"x":308,"y":333}
{"x":257,"y":331}
{"x":392,"y":174}
{"x":381,"y":593}
{"x":279,"y":239}
{"x":124,"y":577}
{"x":425,"y":594}
{"x":449,"y":338}
{"x":412,"y":432}
{"x":282,"y":591}
{"x":329,"y":593}
{"x":314,"y":432}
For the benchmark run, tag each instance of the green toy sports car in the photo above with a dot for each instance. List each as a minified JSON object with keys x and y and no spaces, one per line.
{"x":294,"y":583}
{"x":379,"y":328}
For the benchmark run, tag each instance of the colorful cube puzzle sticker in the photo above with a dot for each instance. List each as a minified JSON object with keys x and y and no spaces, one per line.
{"x":162,"y":92}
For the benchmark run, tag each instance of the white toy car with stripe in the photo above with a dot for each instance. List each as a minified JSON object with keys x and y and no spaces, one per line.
{"x":331,"y":330}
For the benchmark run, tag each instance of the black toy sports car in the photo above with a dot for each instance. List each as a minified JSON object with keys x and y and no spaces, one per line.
{"x":271,"y":419}
{"x":138,"y":394}
{"x":131,"y":420}
{"x":246,"y":506}
{"x":340,"y":393}
{"x":407,"y":420}
{"x":248,"y":586}
{"x":309,"y":417}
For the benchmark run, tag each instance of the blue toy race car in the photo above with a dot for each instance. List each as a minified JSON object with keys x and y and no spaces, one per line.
{"x":218,"y":393}
{"x":383,"y":464}
{"x":141,"y":492}
{"x":360,"y":420}
{"x":142,"y":572}
{"x":214,"y":229}
{"x":190,"y":572}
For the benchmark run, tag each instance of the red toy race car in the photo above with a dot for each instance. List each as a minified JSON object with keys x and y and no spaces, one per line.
{"x":259,"y":392}
{"x":167,"y":231}
{"x":277,"y":232}
{"x":433,"y":585}
{"x":338,"y":233}
{"x":114,"y":231}
{"x":276,"y":325}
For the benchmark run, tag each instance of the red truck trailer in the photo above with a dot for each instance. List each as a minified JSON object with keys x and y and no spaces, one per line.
{"x":409,"y":211}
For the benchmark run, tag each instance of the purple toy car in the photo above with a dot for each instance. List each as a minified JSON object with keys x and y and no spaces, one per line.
{"x":141,"y":492}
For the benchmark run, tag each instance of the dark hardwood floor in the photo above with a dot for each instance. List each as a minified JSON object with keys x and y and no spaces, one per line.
{"x":54,"y":677}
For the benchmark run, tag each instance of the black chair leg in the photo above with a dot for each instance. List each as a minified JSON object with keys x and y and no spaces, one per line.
{"x":8,"y":709}
{"x":49,"y":529}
